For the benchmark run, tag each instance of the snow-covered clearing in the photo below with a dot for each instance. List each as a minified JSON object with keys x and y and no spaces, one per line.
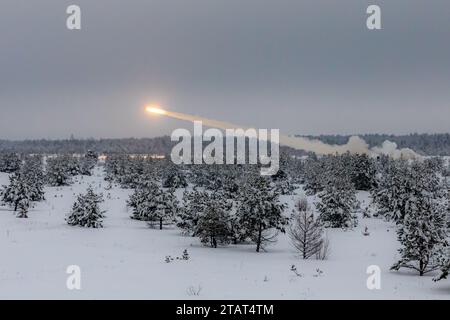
{"x":125,"y":259}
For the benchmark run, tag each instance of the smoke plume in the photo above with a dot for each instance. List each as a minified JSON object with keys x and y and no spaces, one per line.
{"x":354,"y":145}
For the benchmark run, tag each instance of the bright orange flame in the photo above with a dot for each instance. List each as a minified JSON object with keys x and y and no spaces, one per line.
{"x":155,"y":109}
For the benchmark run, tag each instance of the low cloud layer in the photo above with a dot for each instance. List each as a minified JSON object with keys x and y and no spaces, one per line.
{"x":307,"y":67}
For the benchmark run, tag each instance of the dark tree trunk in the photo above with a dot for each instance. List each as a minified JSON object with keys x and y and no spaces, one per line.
{"x":258,"y":242}
{"x":421,"y":268}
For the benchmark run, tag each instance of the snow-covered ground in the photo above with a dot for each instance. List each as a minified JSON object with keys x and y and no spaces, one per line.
{"x":125,"y":260}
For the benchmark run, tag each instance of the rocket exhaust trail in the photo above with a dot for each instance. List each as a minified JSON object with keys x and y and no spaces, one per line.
{"x":186,"y":117}
{"x":354,"y":145}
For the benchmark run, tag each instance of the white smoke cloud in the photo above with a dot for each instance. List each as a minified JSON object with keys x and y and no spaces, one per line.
{"x":354,"y":145}
{"x":390,"y":149}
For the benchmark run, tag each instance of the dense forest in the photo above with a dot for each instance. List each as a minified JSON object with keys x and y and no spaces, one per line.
{"x":426,"y":144}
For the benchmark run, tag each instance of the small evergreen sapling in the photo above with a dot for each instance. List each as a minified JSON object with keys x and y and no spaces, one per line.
{"x":185,"y":255}
{"x":16,"y":192}
{"x":295,"y":271}
{"x":213,"y":226}
{"x":87,"y":163}
{"x":10,"y":162}
{"x":86,"y":211}
{"x":143,"y":201}
{"x":23,"y":207}
{"x":174,"y":178}
{"x":166,"y":207}
{"x":444,"y":263}
{"x":194,"y":205}
{"x":59,"y":171}
{"x":445,"y":271}
{"x":338,"y":203}
{"x":33,"y":173}
{"x":154,"y":204}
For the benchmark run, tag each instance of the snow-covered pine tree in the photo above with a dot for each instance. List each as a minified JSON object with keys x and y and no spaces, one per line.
{"x":131,"y":172}
{"x":259,"y":211}
{"x":59,"y":172}
{"x":381,"y":193}
{"x":423,"y":230}
{"x":448,"y":204}
{"x":230,"y":187}
{"x":436,"y":164}
{"x":10,"y":162}
{"x":174,"y":178}
{"x":338,"y":202}
{"x":87,"y":163}
{"x":23,"y":207}
{"x":446,"y":170}
{"x":143,"y":201}
{"x":315,"y":174}
{"x":86,"y":210}
{"x":113,"y":167}
{"x":92,"y":156}
{"x":296,"y":170}
{"x":8,"y":192}
{"x":392,"y":189}
{"x":154,"y":204}
{"x":229,"y":196}
{"x":444,"y":262}
{"x":402,"y":182}
{"x":16,"y":192}
{"x":444,"y":272}
{"x":73,"y":164}
{"x":85,"y":167}
{"x":306,"y":232}
{"x":362,"y":172}
{"x":200,"y":175}
{"x":33,"y":173}
{"x":166,"y":207}
{"x":213,"y":225}
{"x":281,"y":179}
{"x":213,"y":175}
{"x":193,"y":206}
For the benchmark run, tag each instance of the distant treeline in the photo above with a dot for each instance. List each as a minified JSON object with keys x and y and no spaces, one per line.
{"x":426,"y":144}
{"x":159,"y":145}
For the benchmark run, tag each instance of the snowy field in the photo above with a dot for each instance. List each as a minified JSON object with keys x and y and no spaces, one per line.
{"x":125,"y":259}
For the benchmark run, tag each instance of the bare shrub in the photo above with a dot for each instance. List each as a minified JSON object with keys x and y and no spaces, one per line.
{"x":194,"y":291}
{"x":307,"y":233}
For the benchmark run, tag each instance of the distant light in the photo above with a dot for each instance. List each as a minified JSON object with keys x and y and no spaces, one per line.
{"x":155,"y":109}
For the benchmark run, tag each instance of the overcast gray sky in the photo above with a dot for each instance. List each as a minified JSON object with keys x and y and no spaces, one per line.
{"x":306,"y":67}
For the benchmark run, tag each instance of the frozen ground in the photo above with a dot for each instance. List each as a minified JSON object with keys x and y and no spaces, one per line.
{"x":125,"y":260}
